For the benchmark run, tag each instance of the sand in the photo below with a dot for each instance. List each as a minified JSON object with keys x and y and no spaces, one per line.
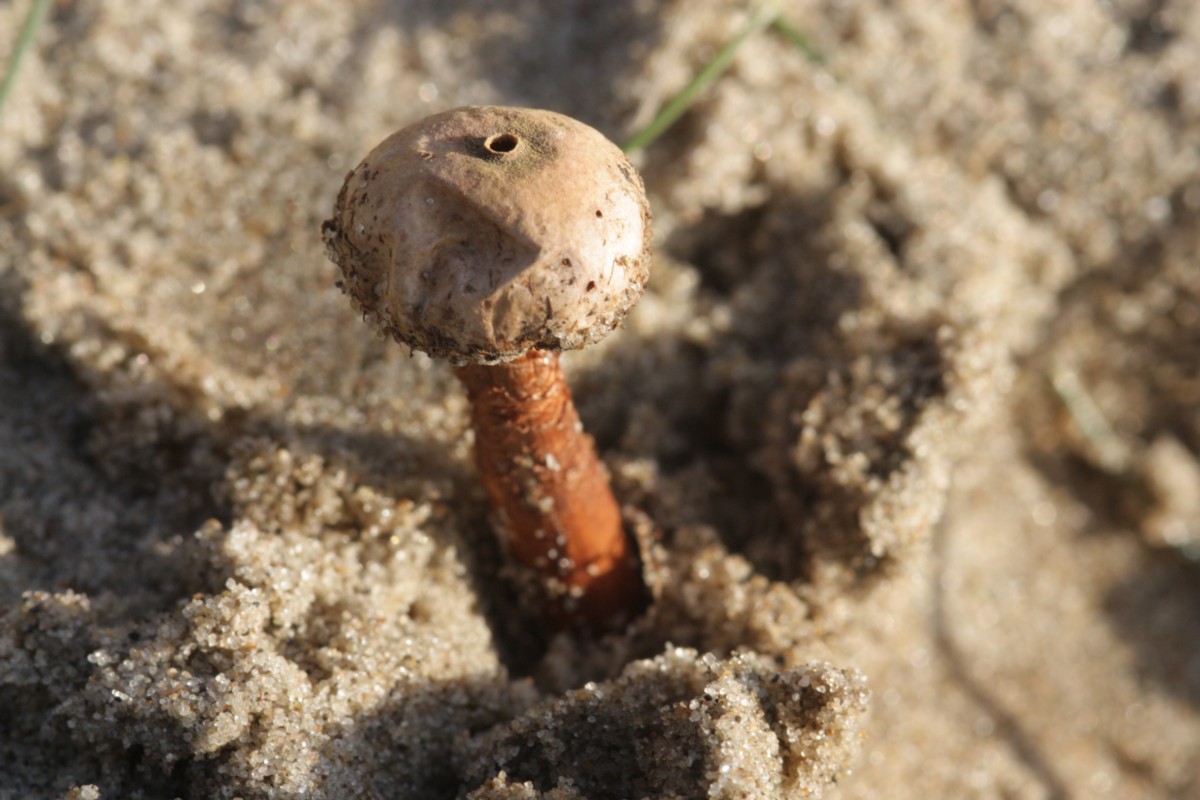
{"x":907,"y":423}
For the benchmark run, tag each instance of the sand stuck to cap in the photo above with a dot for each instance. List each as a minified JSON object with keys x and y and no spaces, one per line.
{"x":910,"y":404}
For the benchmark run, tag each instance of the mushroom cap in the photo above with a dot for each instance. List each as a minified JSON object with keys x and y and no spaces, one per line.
{"x":480,"y":233}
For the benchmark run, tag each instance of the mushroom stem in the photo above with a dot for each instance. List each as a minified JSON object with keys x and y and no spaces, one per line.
{"x":550,"y":491}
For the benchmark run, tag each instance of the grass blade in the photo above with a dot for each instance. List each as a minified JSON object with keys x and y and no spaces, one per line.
{"x":677,"y":105}
{"x":33,"y":21}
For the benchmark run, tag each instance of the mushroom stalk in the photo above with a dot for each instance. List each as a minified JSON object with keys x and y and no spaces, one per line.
{"x":550,"y":491}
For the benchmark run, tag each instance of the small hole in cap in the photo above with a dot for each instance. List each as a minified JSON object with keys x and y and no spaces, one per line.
{"x":501,"y":143}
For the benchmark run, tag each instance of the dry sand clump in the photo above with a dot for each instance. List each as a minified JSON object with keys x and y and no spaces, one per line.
{"x":912,"y":395}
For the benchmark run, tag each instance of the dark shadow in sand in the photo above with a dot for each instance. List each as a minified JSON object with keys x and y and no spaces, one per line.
{"x":64,"y":486}
{"x":1156,"y":610}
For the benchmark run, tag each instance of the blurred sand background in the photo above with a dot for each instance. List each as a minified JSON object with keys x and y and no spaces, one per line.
{"x":912,"y":403}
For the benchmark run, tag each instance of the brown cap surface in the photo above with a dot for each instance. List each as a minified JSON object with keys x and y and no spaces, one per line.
{"x":480,"y":233}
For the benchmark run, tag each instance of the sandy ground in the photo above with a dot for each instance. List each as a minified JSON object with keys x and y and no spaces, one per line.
{"x":908,"y":419}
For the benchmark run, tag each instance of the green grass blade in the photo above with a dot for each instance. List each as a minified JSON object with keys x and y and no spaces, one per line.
{"x":677,"y":105}
{"x":799,"y":40}
{"x":1108,"y":449}
{"x":33,"y":21}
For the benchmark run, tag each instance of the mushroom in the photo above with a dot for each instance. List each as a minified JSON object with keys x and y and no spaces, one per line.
{"x":495,"y":238}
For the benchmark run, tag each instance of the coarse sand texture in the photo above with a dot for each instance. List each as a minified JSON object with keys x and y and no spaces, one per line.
{"x":904,"y":430}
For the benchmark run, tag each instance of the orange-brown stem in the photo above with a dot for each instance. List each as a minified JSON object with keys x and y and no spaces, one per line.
{"x":550,"y":491}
